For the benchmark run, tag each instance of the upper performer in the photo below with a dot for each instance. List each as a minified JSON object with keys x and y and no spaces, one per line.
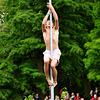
{"x":56,"y":51}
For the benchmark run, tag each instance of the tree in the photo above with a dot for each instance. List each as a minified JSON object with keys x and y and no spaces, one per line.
{"x":22,"y":45}
{"x":92,"y":60}
{"x":76,"y":21}
{"x":20,"y":49}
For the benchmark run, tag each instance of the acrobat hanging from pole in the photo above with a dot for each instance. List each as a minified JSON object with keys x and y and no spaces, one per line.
{"x":52,"y":53}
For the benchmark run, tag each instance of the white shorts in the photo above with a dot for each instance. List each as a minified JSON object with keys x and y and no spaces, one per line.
{"x":55,"y":55}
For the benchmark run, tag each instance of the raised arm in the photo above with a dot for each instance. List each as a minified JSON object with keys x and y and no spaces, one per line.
{"x":45,"y":20}
{"x":54,"y":15}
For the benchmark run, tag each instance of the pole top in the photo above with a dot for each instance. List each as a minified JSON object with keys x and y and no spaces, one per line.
{"x":50,"y":1}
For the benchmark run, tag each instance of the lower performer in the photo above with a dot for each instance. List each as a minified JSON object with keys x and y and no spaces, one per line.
{"x":56,"y":52}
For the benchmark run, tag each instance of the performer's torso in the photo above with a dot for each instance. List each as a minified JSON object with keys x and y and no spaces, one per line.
{"x":46,"y":36}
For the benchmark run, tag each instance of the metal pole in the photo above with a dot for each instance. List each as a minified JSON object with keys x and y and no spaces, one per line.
{"x":51,"y":49}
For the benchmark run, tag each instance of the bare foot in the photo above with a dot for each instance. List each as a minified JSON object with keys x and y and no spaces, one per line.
{"x":49,"y":87}
{"x":50,"y":83}
{"x":55,"y":83}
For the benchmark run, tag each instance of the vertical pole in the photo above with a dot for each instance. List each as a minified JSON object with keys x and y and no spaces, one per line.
{"x":51,"y":49}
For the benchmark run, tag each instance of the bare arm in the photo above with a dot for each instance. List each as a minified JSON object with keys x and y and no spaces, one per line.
{"x":56,"y":19}
{"x":45,"y":20}
{"x":54,"y":15}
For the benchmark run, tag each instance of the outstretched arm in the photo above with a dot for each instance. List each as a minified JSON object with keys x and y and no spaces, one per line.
{"x":45,"y":20}
{"x":54,"y":15}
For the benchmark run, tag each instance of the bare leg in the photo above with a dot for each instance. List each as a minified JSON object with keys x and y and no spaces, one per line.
{"x":46,"y":70}
{"x":54,"y":71}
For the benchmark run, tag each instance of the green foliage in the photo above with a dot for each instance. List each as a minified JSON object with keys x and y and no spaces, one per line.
{"x":22,"y":45}
{"x":92,"y":62}
{"x":29,"y":97}
{"x":76,"y":21}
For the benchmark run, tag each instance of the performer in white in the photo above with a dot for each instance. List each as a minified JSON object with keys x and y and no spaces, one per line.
{"x":56,"y":52}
